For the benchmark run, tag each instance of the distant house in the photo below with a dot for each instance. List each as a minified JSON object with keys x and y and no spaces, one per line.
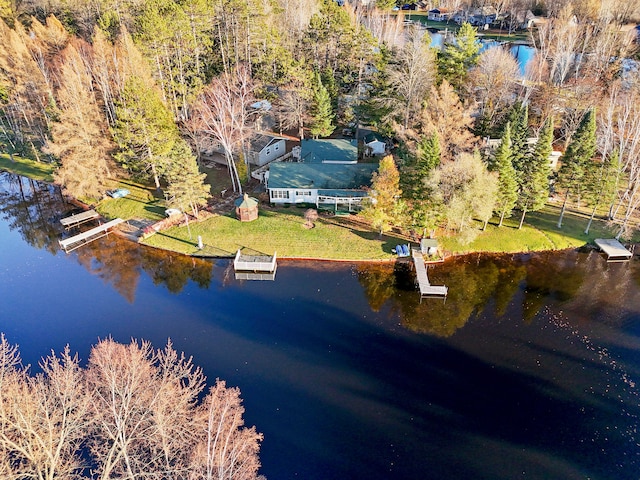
{"x":338,"y":150}
{"x":439,"y":15}
{"x":338,"y":186}
{"x":374,"y":144}
{"x":483,"y":16}
{"x":265,"y":148}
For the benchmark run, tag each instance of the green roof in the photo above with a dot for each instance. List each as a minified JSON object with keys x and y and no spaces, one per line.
{"x":372,"y":137}
{"x":245,"y":202}
{"x":342,"y":150}
{"x":327,"y":176}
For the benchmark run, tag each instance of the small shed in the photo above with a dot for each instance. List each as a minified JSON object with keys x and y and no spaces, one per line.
{"x":246,"y":208}
{"x":429,"y":246}
{"x":375,"y":144}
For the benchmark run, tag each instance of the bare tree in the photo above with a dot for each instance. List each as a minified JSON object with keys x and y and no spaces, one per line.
{"x":227,"y":449}
{"x":494,"y":81}
{"x":43,"y":419}
{"x":411,"y":76}
{"x":222,"y":113}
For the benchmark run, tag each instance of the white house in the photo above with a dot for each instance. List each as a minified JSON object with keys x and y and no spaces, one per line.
{"x":265,"y":148}
{"x":374,"y":144}
{"x":332,"y":185}
{"x":439,"y":14}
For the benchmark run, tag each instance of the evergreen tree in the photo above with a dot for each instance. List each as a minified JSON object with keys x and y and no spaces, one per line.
{"x":534,"y":185}
{"x":322,"y":112}
{"x":187,"y":188}
{"x":382,"y":207}
{"x":577,"y":158}
{"x":455,"y":60}
{"x":144,"y":131}
{"x":416,"y":185}
{"x":519,"y":120}
{"x":507,"y":183}
{"x":428,"y":154}
{"x":603,"y":183}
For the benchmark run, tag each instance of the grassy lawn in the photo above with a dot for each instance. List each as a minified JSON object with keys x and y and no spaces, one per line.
{"x":140,"y":203}
{"x":27,"y":168}
{"x":539,"y":232}
{"x":280,"y":231}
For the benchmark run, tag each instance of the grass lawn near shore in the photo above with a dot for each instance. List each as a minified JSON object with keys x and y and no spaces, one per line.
{"x":28,"y":168}
{"x":139,"y":204}
{"x":281,"y":231}
{"x":539,"y":232}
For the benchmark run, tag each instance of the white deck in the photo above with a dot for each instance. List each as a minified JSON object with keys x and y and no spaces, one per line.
{"x":614,"y":250}
{"x":79,"y":218}
{"x":426,"y":289}
{"x":254,"y":263}
{"x":70,"y":244}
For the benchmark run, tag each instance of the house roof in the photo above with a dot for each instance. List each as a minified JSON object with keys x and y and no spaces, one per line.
{"x":373,"y":137}
{"x":259,"y":141}
{"x":326,"y":176}
{"x":335,"y":149}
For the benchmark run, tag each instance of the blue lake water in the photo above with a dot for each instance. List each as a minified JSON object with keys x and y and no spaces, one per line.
{"x":528,"y":370}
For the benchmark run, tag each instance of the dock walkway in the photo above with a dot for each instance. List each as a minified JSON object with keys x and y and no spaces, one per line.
{"x":614,"y":250}
{"x":79,"y":218}
{"x":426,"y":289}
{"x":71,"y":243}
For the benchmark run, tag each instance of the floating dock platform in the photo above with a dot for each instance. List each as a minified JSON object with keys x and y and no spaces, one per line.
{"x":255,"y":267}
{"x":79,"y":219}
{"x":615,"y":251}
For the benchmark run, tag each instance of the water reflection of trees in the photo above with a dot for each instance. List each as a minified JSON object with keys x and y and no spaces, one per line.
{"x":119,"y":262}
{"x":519,"y":283}
{"x":34,"y":209}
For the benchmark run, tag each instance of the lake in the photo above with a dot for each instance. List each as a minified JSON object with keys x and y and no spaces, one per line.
{"x":529,"y":369}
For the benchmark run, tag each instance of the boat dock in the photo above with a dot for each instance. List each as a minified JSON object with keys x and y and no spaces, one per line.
{"x":79,"y":219}
{"x":426,"y":289}
{"x":615,"y":251}
{"x":255,"y":267}
{"x":71,"y":243}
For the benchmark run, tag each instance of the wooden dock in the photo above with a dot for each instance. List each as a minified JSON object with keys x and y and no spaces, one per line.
{"x":615,"y":251}
{"x":426,"y":289}
{"x":79,"y":219}
{"x":71,"y":243}
{"x":255,"y":267}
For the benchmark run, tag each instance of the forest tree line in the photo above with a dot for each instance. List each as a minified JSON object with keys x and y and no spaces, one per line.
{"x":107,"y":89}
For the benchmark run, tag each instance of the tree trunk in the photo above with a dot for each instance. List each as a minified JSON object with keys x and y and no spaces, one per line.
{"x":524,"y":212}
{"x":564,"y":205}
{"x":501,"y":218}
{"x":593,"y":214}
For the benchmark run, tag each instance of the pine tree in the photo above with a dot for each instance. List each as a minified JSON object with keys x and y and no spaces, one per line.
{"x":604,"y":182}
{"x":519,"y":120}
{"x":577,"y":157}
{"x":382,"y":206}
{"x":416,"y":187}
{"x":144,"y":131}
{"x":507,"y":182}
{"x":428,"y":154}
{"x":187,"y":188}
{"x":534,"y":186}
{"x":455,"y":60}
{"x":322,"y":111}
